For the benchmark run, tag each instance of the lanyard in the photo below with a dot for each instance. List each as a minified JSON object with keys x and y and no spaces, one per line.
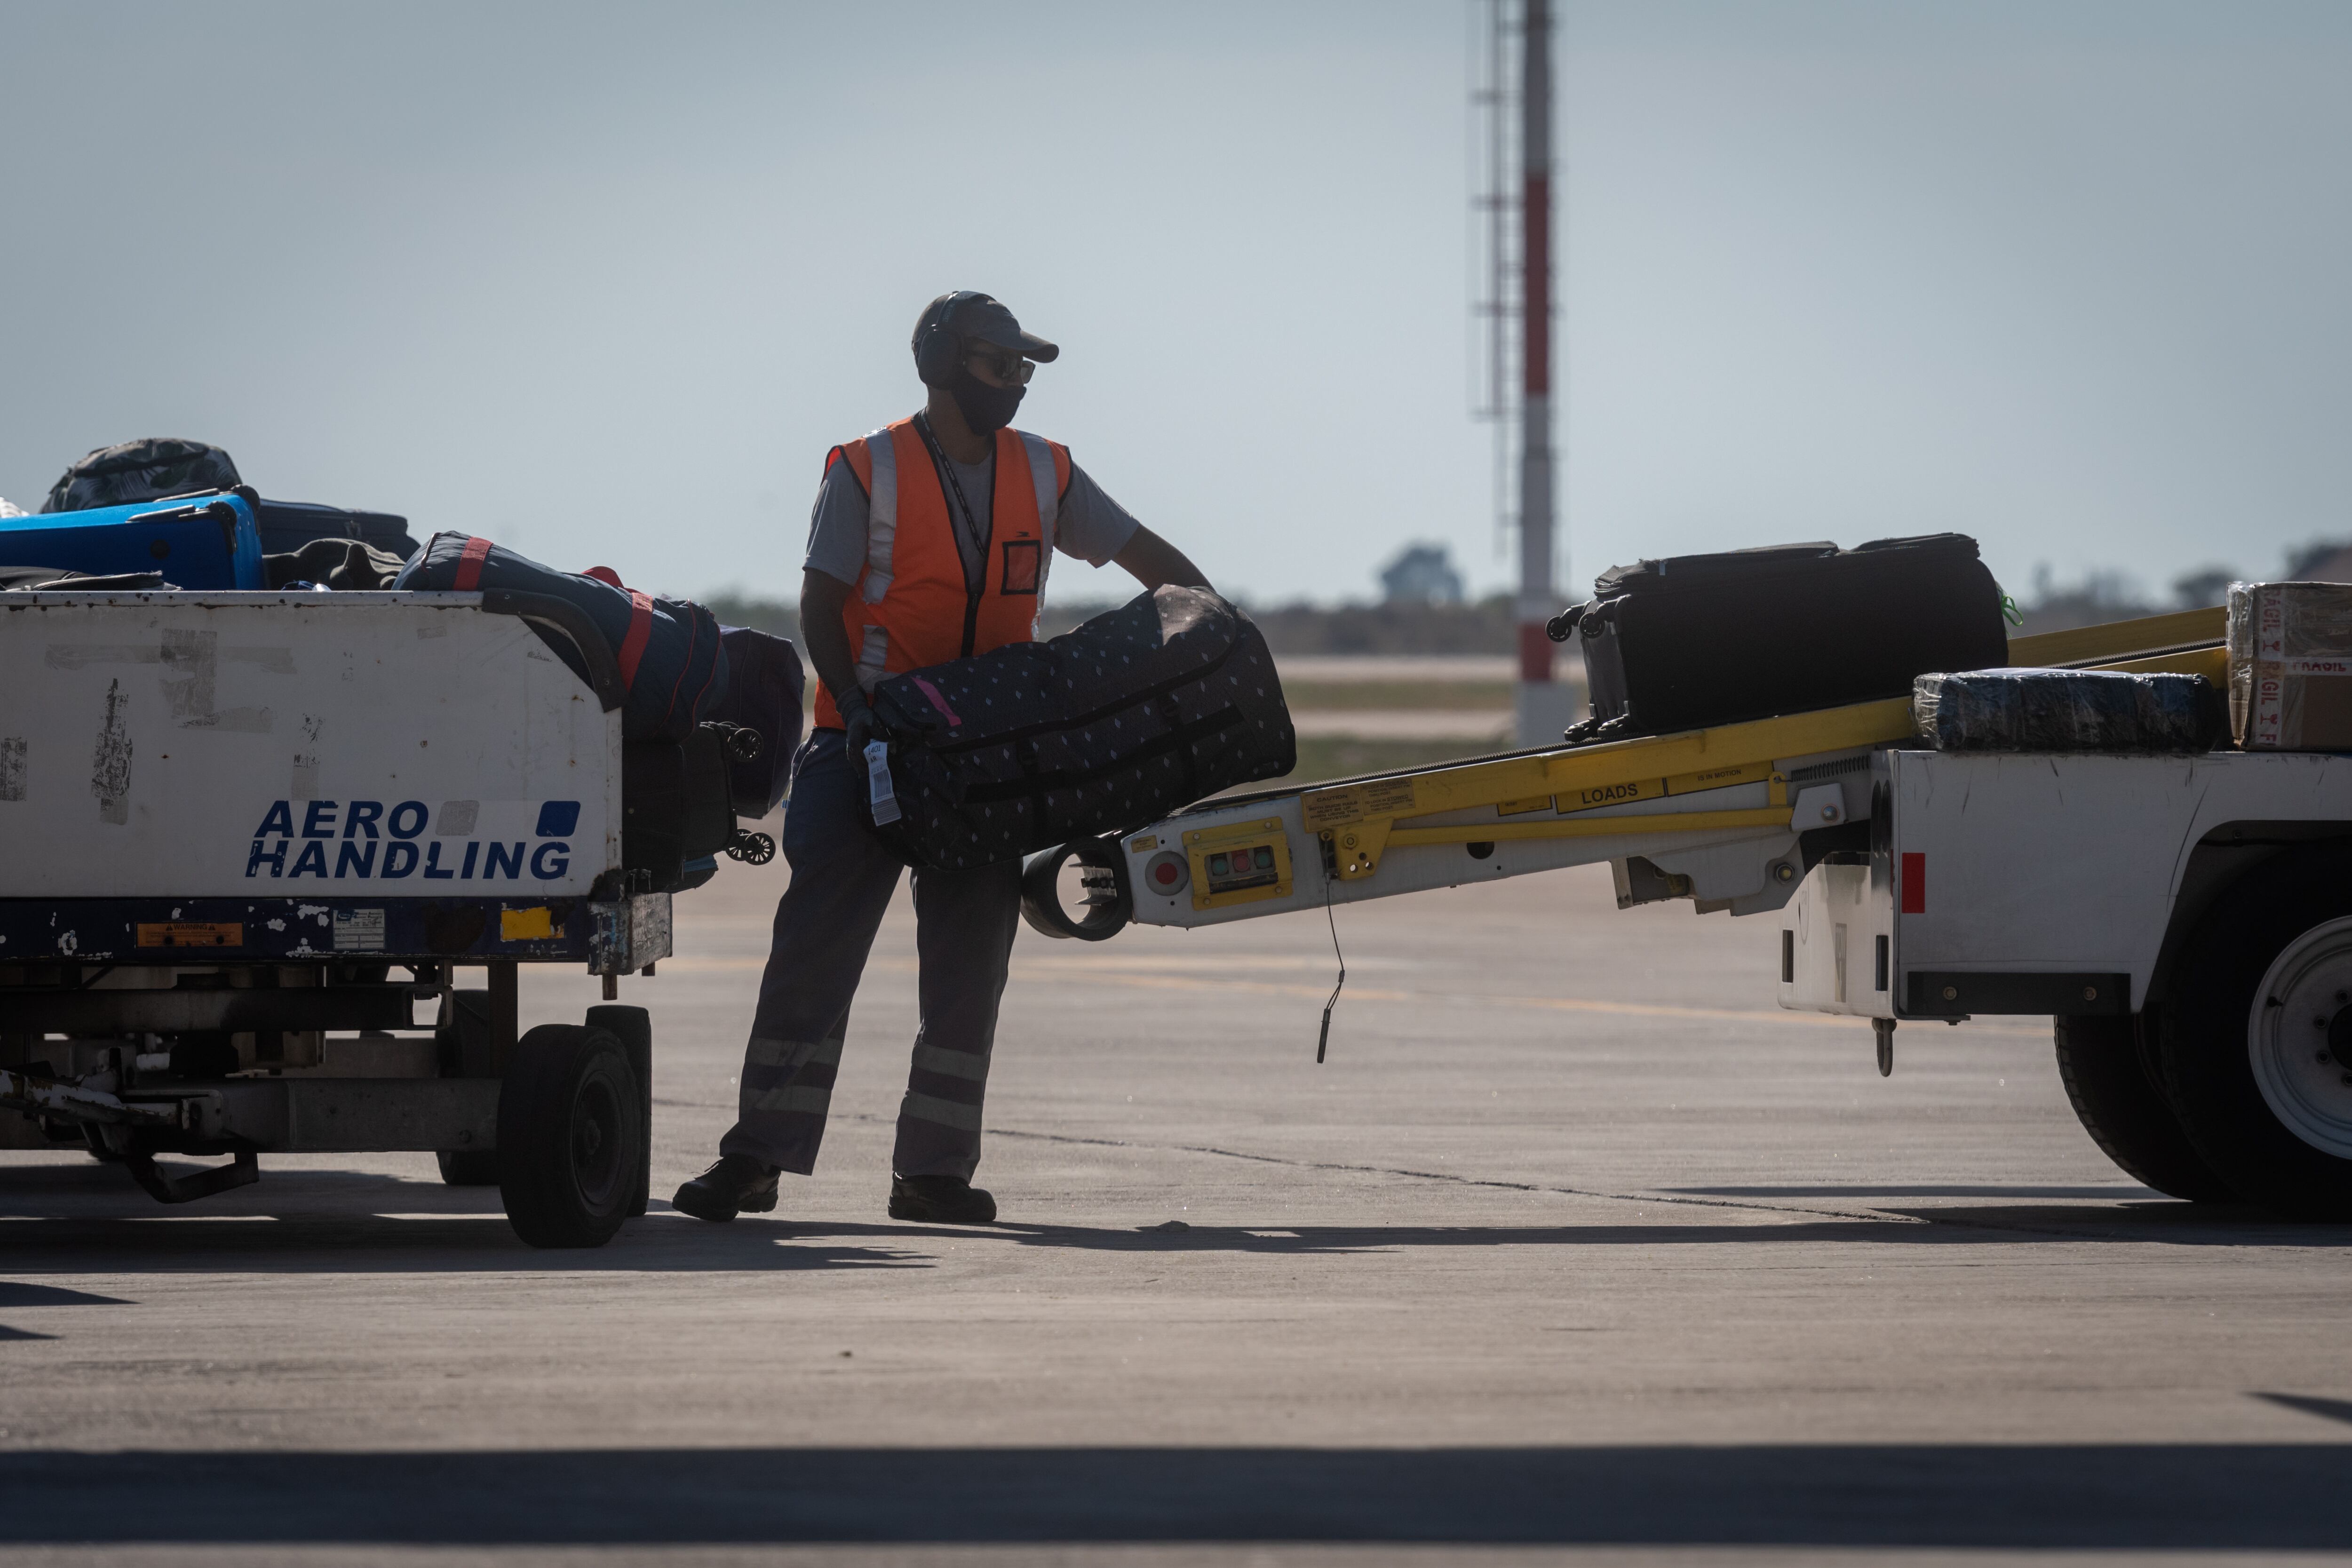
{"x":968,"y":520}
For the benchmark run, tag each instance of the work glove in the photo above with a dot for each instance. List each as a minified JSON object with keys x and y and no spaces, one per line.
{"x":859,"y":725}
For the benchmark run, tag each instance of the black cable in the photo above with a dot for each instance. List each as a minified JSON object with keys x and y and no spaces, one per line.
{"x":1324,"y":1039}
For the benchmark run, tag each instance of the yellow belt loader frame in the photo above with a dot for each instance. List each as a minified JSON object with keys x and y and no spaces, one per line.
{"x":1716,"y":815}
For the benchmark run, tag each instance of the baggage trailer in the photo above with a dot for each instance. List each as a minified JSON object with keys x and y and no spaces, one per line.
{"x":254,"y":841}
{"x":2187,"y":921}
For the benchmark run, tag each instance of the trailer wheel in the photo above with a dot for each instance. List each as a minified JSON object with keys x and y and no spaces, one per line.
{"x":2116,"y":1095}
{"x":571,"y":1136}
{"x":2254,"y":1042}
{"x":468,"y":1167}
{"x":634,"y":1027}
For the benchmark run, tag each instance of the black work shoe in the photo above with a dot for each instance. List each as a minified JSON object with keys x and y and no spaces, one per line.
{"x":942,"y":1200}
{"x":736,"y":1184}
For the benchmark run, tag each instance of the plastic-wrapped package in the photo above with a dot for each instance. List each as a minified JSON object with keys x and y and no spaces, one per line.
{"x":2067,"y":711}
{"x":2290,"y":666}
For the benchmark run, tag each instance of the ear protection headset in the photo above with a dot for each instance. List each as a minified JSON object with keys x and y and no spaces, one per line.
{"x":937,"y":341}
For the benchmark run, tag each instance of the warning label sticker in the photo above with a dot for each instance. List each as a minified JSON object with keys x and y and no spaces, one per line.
{"x":192,"y":933}
{"x":358,"y":930}
{"x":1330,"y":808}
{"x":1334,"y":808}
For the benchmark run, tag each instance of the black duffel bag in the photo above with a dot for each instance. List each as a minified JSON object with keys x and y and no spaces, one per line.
{"x":145,"y":469}
{"x":673,"y":666}
{"x":1142,"y":710}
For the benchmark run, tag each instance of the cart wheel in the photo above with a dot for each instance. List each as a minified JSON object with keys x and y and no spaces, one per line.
{"x":2255,"y":1038}
{"x":571,"y":1136}
{"x":468,"y":1167}
{"x":2117,"y":1099}
{"x":634,"y":1027}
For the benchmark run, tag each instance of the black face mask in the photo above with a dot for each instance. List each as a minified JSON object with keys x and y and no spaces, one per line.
{"x":987,"y":409}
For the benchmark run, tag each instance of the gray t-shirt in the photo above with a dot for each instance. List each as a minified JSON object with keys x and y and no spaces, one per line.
{"x":1088,"y":524}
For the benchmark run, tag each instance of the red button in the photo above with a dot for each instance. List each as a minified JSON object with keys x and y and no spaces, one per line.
{"x":1164,"y":875}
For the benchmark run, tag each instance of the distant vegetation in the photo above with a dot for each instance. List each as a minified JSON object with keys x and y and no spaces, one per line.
{"x":1394,"y":628}
{"x":2109,"y":595}
{"x":734,"y":607}
{"x":1485,"y":626}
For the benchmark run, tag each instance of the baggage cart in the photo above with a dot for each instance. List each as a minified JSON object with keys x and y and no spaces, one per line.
{"x":273,"y":860}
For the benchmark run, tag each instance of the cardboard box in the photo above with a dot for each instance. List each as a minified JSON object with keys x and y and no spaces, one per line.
{"x":2290,"y":666}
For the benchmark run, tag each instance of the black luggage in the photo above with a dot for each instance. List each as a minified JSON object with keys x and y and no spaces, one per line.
{"x":1695,"y":640}
{"x":160,"y":466}
{"x":1140,"y":710}
{"x":764,"y":686}
{"x":345,"y":564}
{"x":2068,"y":710}
{"x":143,"y":470}
{"x":672,"y":665}
{"x":287,"y":525}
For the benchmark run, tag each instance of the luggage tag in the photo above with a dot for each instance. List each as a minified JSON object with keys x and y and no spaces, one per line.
{"x":880,"y":798}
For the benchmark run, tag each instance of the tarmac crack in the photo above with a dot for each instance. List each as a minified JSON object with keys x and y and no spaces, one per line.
{"x":1350,"y":1168}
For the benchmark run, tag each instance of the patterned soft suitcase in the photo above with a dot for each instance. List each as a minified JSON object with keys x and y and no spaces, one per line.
{"x":1695,"y":640}
{"x":1142,"y":710}
{"x":205,"y":541}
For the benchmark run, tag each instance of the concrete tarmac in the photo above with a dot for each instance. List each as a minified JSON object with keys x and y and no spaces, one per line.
{"x":1576,"y":1248}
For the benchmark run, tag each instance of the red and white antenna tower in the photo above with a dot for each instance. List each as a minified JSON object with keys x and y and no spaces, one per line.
{"x":1514,"y":200}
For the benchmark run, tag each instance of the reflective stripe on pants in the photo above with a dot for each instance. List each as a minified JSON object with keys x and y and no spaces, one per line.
{"x":841,"y":885}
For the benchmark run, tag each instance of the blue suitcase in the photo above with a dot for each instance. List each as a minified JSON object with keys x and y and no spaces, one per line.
{"x":207,"y":541}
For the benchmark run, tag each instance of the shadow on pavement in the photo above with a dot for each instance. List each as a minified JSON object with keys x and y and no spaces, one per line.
{"x":1866,"y":1191}
{"x":2169,"y":1223}
{"x":330,"y":1221}
{"x":21,"y":1293}
{"x":2179,"y":1496}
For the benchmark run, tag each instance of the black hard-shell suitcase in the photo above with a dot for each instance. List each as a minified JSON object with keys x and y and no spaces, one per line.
{"x":1140,"y":710}
{"x":764,"y":682}
{"x":1695,"y":640}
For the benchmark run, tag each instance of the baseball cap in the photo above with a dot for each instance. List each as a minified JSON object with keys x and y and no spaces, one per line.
{"x":983,"y":318}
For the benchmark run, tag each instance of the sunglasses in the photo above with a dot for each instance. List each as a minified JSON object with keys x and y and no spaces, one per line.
{"x":1008,"y":366}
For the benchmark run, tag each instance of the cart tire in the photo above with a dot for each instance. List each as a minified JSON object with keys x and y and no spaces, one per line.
{"x":2250,"y":1042}
{"x":634,"y":1027}
{"x":468,"y":1167}
{"x":2116,"y":1096}
{"x":571,"y":1136}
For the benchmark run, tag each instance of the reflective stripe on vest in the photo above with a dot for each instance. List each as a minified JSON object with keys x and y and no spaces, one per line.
{"x":913,"y":599}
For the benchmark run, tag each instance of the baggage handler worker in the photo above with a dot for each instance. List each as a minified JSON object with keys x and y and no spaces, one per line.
{"x":930,"y":542}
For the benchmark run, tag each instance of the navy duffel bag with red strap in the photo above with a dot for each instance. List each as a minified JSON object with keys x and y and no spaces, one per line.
{"x":673,"y":664}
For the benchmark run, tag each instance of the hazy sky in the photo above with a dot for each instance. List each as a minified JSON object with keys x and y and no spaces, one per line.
{"x":604,"y":282}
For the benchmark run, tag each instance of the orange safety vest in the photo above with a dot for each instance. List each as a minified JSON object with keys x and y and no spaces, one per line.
{"x":912,"y":607}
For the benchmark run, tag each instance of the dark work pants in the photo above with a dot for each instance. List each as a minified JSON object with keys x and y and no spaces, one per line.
{"x":841,"y":884}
